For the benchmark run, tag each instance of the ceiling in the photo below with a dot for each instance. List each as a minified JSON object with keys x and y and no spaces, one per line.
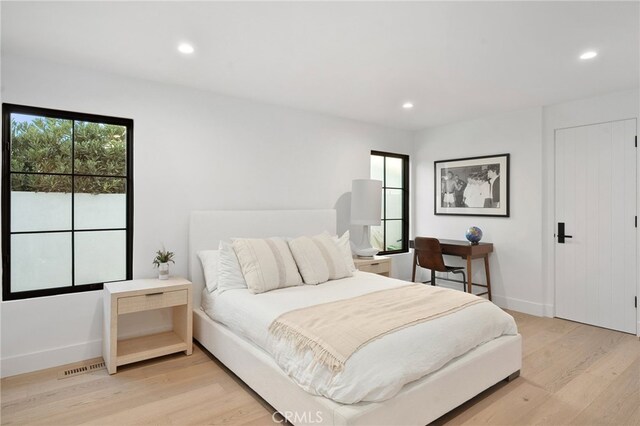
{"x":453,"y":60}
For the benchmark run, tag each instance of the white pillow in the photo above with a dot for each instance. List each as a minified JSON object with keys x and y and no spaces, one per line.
{"x":209,"y":260}
{"x":229,"y":273}
{"x":267,"y":264}
{"x":319,"y":259}
{"x":312,"y":266}
{"x":344,"y":243}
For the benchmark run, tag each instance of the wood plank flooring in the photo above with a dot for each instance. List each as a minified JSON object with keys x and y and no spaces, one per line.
{"x":572,"y":374}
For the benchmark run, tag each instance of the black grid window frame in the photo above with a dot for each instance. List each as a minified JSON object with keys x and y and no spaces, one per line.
{"x":7,"y":110}
{"x":405,"y":200}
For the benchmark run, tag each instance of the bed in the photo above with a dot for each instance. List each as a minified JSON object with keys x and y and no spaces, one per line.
{"x":418,"y":402}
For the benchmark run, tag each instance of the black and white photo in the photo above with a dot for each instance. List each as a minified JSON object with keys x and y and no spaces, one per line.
{"x":477,"y":186}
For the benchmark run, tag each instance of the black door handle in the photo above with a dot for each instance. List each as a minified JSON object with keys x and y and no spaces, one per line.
{"x":561,"y":234}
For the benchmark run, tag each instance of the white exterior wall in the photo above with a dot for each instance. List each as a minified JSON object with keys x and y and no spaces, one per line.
{"x":99,"y":255}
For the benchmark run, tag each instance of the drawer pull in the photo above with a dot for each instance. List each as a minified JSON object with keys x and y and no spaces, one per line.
{"x":375,"y":264}
{"x":154,"y":294}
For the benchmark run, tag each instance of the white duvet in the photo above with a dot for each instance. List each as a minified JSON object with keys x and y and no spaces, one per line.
{"x":378,"y":370}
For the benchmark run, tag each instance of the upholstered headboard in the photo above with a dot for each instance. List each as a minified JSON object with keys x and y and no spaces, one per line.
{"x":207,"y":228}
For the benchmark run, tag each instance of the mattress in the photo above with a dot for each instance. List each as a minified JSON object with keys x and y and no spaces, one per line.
{"x":378,"y":370}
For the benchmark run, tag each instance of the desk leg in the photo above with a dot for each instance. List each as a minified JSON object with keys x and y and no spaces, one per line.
{"x":469,"y":285}
{"x":486,"y":271}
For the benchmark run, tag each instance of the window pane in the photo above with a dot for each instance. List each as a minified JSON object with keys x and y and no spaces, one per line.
{"x":40,"y":203}
{"x":100,"y":256}
{"x":100,"y":149}
{"x":377,"y":237}
{"x":393,"y":229}
{"x":377,"y":168}
{"x":40,"y":261}
{"x":394,"y":203}
{"x":40,"y":144}
{"x":394,"y":172}
{"x":389,"y":237}
{"x":100,"y":203}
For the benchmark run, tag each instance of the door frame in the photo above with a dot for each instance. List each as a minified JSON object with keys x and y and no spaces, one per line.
{"x":549,"y":226}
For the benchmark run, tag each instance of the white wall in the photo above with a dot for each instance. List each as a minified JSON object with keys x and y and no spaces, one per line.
{"x":615,"y":106}
{"x":523,"y":264}
{"x":196,"y":150}
{"x":516,"y":275}
{"x":192,"y":150}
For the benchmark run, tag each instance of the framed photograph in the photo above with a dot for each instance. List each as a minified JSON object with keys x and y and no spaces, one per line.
{"x":477,"y":186}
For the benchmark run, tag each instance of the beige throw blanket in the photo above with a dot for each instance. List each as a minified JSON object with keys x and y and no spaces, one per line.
{"x":335,"y":330}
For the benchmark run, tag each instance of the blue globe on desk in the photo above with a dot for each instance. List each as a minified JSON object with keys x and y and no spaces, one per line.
{"x":474,"y":235}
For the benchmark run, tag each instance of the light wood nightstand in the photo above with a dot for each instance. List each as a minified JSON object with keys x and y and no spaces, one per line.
{"x":125,"y":297}
{"x":380,"y":265}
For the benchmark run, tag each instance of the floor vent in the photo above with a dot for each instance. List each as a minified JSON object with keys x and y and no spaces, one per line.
{"x":81,"y":369}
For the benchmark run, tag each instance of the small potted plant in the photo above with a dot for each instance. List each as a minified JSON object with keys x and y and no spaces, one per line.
{"x":161,"y":261}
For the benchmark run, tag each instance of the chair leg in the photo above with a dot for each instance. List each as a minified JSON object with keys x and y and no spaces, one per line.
{"x":464,"y":279}
{"x":413,"y":273}
{"x":433,"y":277}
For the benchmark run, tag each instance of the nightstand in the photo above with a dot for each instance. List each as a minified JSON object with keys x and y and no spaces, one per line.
{"x":125,"y":297}
{"x":380,"y":265}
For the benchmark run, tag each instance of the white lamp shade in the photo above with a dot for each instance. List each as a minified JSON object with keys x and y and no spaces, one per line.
{"x":366,"y":200}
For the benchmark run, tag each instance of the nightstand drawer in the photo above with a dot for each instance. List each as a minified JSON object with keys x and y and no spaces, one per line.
{"x":150,"y":301}
{"x":375,"y":268}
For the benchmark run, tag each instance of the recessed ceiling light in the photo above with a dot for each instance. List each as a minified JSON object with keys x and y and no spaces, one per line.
{"x":185,"y":48}
{"x":589,"y":54}
{"x":407,"y":105}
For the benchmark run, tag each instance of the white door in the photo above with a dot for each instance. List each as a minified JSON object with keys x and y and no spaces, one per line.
{"x":595,"y":199}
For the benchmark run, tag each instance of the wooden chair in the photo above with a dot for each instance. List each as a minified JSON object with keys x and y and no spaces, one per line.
{"x":428,"y":254}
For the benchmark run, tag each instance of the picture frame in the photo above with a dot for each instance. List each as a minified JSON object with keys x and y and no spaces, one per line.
{"x":473,"y":186}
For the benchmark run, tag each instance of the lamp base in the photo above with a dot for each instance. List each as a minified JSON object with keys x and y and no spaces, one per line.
{"x":366,"y":251}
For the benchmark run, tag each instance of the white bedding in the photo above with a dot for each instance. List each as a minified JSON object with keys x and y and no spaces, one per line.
{"x":378,"y":370}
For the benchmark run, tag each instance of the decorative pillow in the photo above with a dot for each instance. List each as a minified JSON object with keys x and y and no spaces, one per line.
{"x":311,"y":264}
{"x":267,"y":264}
{"x":229,"y":273}
{"x":344,"y":244}
{"x":319,"y":259}
{"x":209,"y":260}
{"x":337,"y":255}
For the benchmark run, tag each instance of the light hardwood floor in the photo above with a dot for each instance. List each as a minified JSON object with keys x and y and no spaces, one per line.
{"x":572,"y":374}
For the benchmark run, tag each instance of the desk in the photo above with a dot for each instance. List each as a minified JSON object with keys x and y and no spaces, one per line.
{"x":469,"y":252}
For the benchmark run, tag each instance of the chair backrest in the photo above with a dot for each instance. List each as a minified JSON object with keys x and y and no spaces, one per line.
{"x":428,"y":254}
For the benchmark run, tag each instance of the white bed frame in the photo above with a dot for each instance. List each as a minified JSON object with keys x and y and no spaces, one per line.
{"x":418,"y":403}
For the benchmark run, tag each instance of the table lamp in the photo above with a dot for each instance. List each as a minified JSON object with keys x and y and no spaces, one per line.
{"x":366,"y":200}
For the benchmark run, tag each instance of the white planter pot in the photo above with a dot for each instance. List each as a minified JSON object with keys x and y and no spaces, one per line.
{"x":163,"y":271}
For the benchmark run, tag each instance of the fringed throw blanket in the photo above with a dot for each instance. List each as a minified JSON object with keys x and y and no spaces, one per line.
{"x":336,"y":330}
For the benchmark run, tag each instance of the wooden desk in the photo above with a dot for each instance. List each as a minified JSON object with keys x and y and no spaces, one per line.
{"x":469,"y":252}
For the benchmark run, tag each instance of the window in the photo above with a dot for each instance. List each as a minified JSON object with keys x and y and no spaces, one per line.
{"x":392,"y":236}
{"x":67,"y":201}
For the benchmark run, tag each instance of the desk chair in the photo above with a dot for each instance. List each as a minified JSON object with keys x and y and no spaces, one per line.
{"x":428,"y":254}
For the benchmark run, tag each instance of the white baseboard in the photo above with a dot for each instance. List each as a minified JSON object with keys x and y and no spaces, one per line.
{"x":549,"y":311}
{"x":532,"y":308}
{"x":53,"y":357}
{"x":48,"y":358}
{"x":524,"y":306}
